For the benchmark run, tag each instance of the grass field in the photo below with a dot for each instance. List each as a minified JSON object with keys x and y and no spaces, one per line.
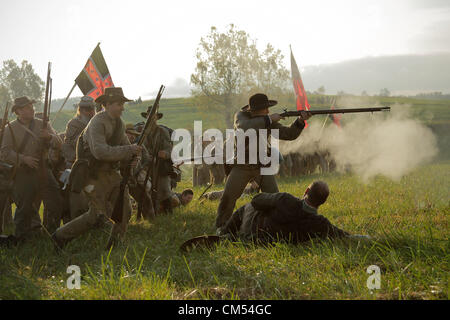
{"x":409,"y":220}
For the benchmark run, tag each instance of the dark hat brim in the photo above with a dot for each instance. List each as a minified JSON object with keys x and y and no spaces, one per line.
{"x":205,"y":242}
{"x":103,"y":99}
{"x":144,"y":115}
{"x":14,"y":107}
{"x":268,"y":104}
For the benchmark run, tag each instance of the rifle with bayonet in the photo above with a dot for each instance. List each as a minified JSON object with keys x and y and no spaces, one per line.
{"x":332,"y":111}
{"x":149,"y":128}
{"x":150,"y":123}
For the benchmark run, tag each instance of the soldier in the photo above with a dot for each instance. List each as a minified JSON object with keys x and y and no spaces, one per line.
{"x":136,"y":189}
{"x":78,"y":201}
{"x":183,"y":198}
{"x":160,"y":145}
{"x":281,"y":216}
{"x":22,"y":146}
{"x":101,"y":148}
{"x":255,"y":115}
{"x":85,"y":112}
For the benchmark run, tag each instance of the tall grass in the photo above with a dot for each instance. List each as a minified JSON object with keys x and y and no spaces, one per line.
{"x":408,"y":219}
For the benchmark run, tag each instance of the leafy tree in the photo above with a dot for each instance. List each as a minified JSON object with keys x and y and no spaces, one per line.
{"x":230,"y":67}
{"x":385,"y":92}
{"x":17,"y":81}
{"x":321,"y":90}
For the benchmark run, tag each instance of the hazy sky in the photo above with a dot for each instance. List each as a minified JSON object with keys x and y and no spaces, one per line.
{"x":148,"y":43}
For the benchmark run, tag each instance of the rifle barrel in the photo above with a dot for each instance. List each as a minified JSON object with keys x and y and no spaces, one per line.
{"x":47,"y":87}
{"x":333,"y":111}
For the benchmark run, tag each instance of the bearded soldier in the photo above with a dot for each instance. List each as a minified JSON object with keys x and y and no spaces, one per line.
{"x":256,"y":116}
{"x":23,"y":144}
{"x":101,"y":148}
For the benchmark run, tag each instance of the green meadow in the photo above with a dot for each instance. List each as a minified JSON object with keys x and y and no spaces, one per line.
{"x":408,"y":220}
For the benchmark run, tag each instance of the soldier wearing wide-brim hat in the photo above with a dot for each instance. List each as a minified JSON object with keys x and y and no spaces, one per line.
{"x":111,"y":95}
{"x":21,"y":102}
{"x":22,"y":146}
{"x":255,"y":115}
{"x":101,"y":149}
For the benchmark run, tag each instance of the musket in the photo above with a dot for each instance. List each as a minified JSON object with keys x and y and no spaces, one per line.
{"x":5,"y":170}
{"x":45,"y":144}
{"x":149,"y":128}
{"x":204,"y":191}
{"x":4,"y":122}
{"x":151,"y":117}
{"x":330,"y":111}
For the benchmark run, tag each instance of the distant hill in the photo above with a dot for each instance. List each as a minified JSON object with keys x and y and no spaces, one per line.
{"x":401,"y":74}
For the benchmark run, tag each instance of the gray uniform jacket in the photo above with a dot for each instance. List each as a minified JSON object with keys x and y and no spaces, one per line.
{"x":99,"y":131}
{"x":33,"y":146}
{"x":74,"y":128}
{"x":245,"y":121}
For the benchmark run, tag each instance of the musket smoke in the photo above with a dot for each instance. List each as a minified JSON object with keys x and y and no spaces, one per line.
{"x":390,"y":144}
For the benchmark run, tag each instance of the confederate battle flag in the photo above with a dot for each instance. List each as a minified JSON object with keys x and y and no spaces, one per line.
{"x":335,"y":116}
{"x":94,"y":77}
{"x":302,"y":100}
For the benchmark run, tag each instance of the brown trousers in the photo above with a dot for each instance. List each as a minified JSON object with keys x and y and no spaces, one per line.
{"x":101,"y":193}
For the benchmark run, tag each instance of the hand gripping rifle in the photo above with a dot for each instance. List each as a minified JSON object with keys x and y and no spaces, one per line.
{"x":150,"y":129}
{"x":332,"y":111}
{"x":149,"y":126}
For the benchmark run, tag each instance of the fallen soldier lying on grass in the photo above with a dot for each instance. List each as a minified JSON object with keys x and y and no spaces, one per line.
{"x":279,"y":216}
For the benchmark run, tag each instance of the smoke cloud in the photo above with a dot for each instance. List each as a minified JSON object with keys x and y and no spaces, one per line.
{"x":386,"y":143}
